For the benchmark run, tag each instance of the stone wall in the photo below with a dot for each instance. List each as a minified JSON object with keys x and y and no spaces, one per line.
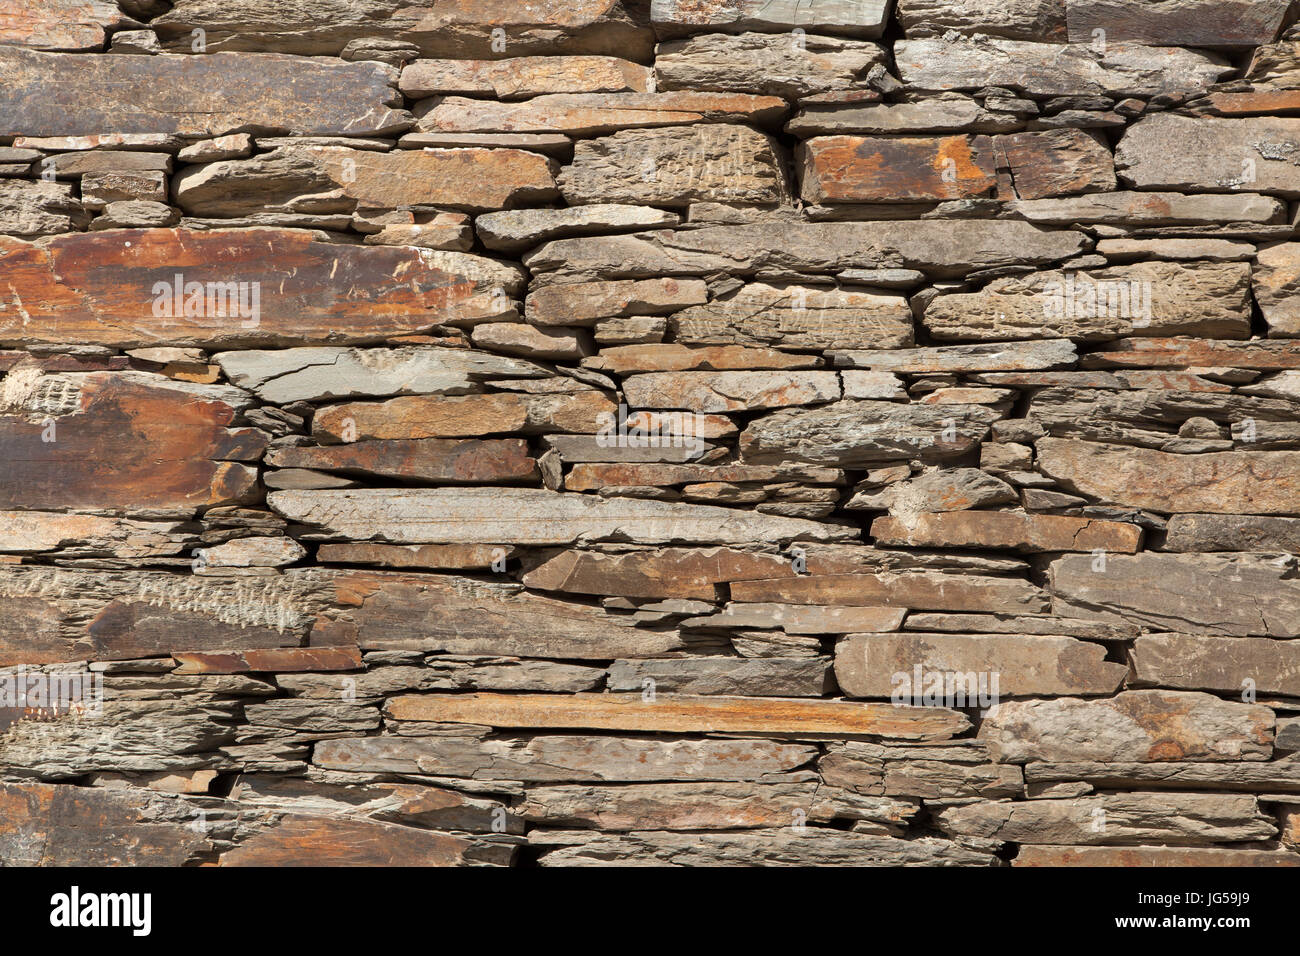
{"x":688,"y":432}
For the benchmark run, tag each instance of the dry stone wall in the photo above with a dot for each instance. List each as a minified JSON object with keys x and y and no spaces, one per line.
{"x":608,"y":432}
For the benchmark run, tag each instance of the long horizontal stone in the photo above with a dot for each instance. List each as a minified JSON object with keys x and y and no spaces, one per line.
{"x":980,"y":668}
{"x":33,"y":532}
{"x":554,"y":759}
{"x":1004,"y":529}
{"x":946,"y":248}
{"x":812,"y":846}
{"x":1054,"y":69}
{"x":1133,"y":726}
{"x":1220,"y":23}
{"x":452,"y":416}
{"x":1184,"y":592}
{"x":1227,"y":482}
{"x":736,"y":676}
{"x":682,"y":714}
{"x":803,"y":618}
{"x":848,"y":17}
{"x":1009,"y":356}
{"x":391,"y":611}
{"x":533,"y":516}
{"x":176,"y":287}
{"x":1149,"y":209}
{"x":928,"y":591}
{"x":676,"y":166}
{"x":798,"y":316}
{"x":523,"y":77}
{"x":768,"y":64}
{"x":429,"y":459}
{"x":856,"y":433}
{"x":62,"y":438}
{"x":1225,"y":664}
{"x":461,"y":30}
{"x":1196,"y":353}
{"x":950,"y":113}
{"x":1208,"y":299}
{"x":1184,"y":818}
{"x":1151,"y":856}
{"x":1207,"y":154}
{"x":307,"y":840}
{"x":706,"y":392}
{"x":1014,"y":19}
{"x":1191,"y":533}
{"x":63,"y":94}
{"x":674,"y":357}
{"x":594,"y":476}
{"x":311,"y":374}
{"x":954,"y":770}
{"x":514,"y":230}
{"x":335,"y":179}
{"x":596,"y":114}
{"x":60,"y":615}
{"x":1021,"y":624}
{"x":664,"y":573}
{"x":1260,"y":776}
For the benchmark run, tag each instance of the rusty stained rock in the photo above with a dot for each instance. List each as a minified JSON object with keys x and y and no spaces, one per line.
{"x":271,"y":287}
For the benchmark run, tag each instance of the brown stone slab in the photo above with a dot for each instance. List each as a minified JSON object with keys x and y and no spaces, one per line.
{"x":304,"y":840}
{"x":277,"y":659}
{"x":842,"y":169}
{"x":1151,"y":856}
{"x":429,"y":459}
{"x":429,"y":416}
{"x":927,"y":591}
{"x":1003,"y":529}
{"x":681,"y":714}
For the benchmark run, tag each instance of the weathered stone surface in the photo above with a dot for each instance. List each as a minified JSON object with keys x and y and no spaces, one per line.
{"x":62,"y":437}
{"x":38,"y":208}
{"x":1276,"y":281}
{"x":77,"y":534}
{"x":963,"y":358}
{"x":1014,"y":19}
{"x":1220,"y":23}
{"x":335,"y":179}
{"x":1177,"y":592}
{"x":945,"y":248}
{"x":77,"y":25}
{"x":855,"y":433}
{"x":862,"y":18}
{"x":765,"y":64}
{"x":882,"y":169}
{"x":797,"y":316}
{"x":1021,"y":624}
{"x":1005,"y":529}
{"x":458,"y":29}
{"x":1192,"y":533}
{"x":1149,"y":209}
{"x":1053,"y":69}
{"x":945,"y":489}
{"x":430,"y":459}
{"x":1156,"y":298}
{"x":672,"y":357}
{"x":676,"y":166}
{"x":1205,"y":154}
{"x":48,"y":825}
{"x":451,"y":416}
{"x":1229,"y":482}
{"x":682,"y":714}
{"x":730,"y":391}
{"x":312,"y":374}
{"x":1270,"y":776}
{"x":957,"y":769}
{"x":523,"y":77}
{"x":392,"y":611}
{"x":301,"y":840}
{"x":1134,"y":726}
{"x":533,"y":516}
{"x":663,"y":573}
{"x":583,"y":303}
{"x":1195,"y":353}
{"x":547,"y":759}
{"x":737,"y":676}
{"x":62,"y":94}
{"x":120,"y":289}
{"x":57,"y":614}
{"x":884,"y":665}
{"x":948,"y":113}
{"x":1183,"y":818}
{"x":922,"y":591}
{"x":593,"y":114}
{"x":594,"y":476}
{"x":515,"y":230}
{"x":816,"y":846}
{"x":1053,"y":163}
{"x":803,"y":619}
{"x":1150,"y":856}
{"x":1225,"y":664}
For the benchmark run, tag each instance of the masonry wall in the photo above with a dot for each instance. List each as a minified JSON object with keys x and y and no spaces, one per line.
{"x":606,"y":432}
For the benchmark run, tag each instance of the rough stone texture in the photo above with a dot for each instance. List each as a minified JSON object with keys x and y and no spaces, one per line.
{"x":649,"y":432}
